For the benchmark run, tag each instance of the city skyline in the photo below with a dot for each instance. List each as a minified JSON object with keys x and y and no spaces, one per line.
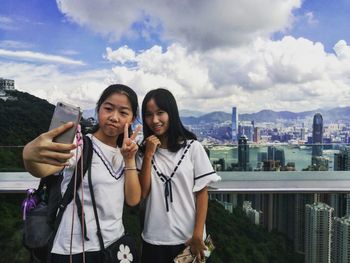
{"x":286,"y":55}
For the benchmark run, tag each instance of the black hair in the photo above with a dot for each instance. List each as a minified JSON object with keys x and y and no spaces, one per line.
{"x":124,"y":90}
{"x":177,"y":133}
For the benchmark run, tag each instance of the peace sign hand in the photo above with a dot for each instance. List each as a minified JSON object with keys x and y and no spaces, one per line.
{"x":129,"y":147}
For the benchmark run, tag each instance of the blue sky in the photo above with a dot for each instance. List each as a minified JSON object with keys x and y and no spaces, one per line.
{"x":212,"y":56}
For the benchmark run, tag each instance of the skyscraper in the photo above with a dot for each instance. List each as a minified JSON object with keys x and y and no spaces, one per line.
{"x":246,"y":128}
{"x":243,"y":154}
{"x":276,"y":154}
{"x":318,"y":229}
{"x":342,"y":160}
{"x":340,"y":240}
{"x":234,"y":125}
{"x":299,"y":222}
{"x":317,"y":136}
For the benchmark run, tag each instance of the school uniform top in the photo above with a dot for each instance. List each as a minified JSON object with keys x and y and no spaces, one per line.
{"x":170,"y":205}
{"x":107,"y":174}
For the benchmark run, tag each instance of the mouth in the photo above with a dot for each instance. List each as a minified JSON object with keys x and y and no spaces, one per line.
{"x":157,"y":128}
{"x":112,"y":126}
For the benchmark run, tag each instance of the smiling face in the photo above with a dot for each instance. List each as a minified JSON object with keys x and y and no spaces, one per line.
{"x":113,"y":114}
{"x":156,"y":119}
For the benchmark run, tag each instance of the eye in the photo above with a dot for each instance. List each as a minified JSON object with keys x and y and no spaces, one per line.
{"x":148,"y":114}
{"x":125,"y":113}
{"x":108,"y":108}
{"x":161,"y":112}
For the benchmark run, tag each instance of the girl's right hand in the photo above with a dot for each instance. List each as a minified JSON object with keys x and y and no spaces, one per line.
{"x":152,"y":143}
{"x":43,"y":150}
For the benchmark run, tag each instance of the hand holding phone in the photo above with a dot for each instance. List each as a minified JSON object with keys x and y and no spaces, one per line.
{"x":63,"y":114}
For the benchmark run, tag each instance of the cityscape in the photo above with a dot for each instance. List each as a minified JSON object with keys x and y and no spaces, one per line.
{"x":263,"y":84}
{"x":317,"y":223}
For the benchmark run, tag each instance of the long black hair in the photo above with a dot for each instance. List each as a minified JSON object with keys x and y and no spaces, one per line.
{"x":177,"y":133}
{"x":119,"y":89}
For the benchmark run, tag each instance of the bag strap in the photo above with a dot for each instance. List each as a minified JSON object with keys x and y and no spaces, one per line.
{"x":68,"y":195}
{"x":99,"y":233}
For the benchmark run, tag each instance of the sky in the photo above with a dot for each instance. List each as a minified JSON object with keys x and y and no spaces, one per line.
{"x":212,"y":55}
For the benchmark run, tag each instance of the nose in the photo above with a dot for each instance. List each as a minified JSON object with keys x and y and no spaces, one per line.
{"x":155,"y":118}
{"x":114,"y":116}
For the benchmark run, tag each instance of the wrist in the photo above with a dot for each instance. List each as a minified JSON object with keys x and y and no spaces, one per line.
{"x":130,"y":162}
{"x":148,"y":156}
{"x":198,"y":235}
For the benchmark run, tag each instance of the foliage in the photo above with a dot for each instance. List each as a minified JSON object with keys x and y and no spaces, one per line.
{"x":21,"y":121}
{"x":11,"y":233}
{"x":236,"y":239}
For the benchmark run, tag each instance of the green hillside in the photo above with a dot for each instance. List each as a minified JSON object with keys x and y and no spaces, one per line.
{"x":21,"y":121}
{"x":236,"y":240}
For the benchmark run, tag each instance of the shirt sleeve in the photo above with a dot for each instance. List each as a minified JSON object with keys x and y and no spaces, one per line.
{"x":204,"y":173}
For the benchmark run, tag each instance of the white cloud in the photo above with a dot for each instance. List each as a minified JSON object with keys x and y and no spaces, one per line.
{"x":13,"y":44}
{"x":310,"y":18}
{"x":50,"y":83}
{"x":202,"y":25}
{"x":41,"y":57}
{"x":290,"y":74}
{"x":121,"y":55}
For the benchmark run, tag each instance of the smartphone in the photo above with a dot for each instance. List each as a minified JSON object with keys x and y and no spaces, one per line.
{"x":65,"y":113}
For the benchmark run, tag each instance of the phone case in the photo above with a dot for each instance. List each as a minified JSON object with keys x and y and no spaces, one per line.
{"x":65,"y":113}
{"x":186,"y":256}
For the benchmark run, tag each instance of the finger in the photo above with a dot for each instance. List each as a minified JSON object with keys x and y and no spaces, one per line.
{"x":56,"y":155}
{"x":202,"y":255}
{"x":61,"y":147}
{"x":54,"y":162}
{"x":54,"y":132}
{"x":126,"y":132}
{"x":138,"y":129}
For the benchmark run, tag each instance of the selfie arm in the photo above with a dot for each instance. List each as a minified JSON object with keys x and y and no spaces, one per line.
{"x":43,"y":157}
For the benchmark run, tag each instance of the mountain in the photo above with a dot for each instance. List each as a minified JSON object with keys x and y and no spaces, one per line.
{"x":213,"y":117}
{"x":24,"y":118}
{"x":190,"y":113}
{"x":341,"y":114}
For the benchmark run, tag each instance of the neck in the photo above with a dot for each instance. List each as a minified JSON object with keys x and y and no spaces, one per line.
{"x":110,"y":141}
{"x":164,"y":141}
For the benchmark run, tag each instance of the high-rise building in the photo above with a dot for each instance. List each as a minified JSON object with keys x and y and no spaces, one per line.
{"x":246,"y":128}
{"x":243,"y":154}
{"x":341,"y":240}
{"x":253,"y":215}
{"x":302,"y":132}
{"x":256,"y":136}
{"x":341,"y":202}
{"x":7,"y":84}
{"x":317,"y":136}
{"x":276,"y":154}
{"x":318,"y":229}
{"x":234,"y":125}
{"x":342,"y":160}
{"x":299,"y":222}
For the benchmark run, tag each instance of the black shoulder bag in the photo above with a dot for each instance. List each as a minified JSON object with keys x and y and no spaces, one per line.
{"x":42,"y":220}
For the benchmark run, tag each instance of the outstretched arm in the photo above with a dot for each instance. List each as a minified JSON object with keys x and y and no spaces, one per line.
{"x":43,"y":157}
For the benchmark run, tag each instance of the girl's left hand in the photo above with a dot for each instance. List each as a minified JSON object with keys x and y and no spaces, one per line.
{"x":197,"y":247}
{"x":129,"y":147}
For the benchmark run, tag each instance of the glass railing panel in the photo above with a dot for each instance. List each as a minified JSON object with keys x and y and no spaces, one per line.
{"x":280,"y":157}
